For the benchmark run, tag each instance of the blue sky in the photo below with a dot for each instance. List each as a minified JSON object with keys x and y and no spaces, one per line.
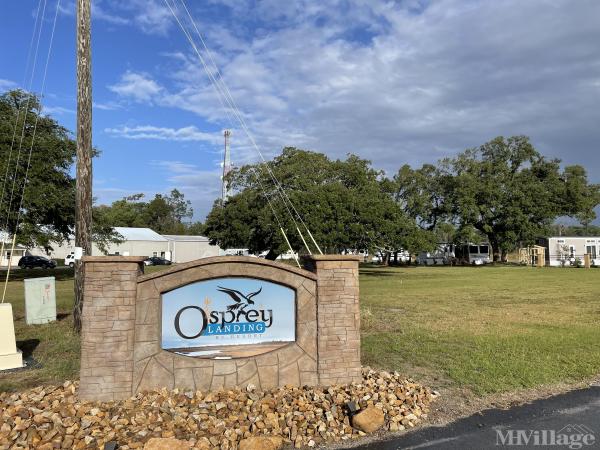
{"x":394,"y":81}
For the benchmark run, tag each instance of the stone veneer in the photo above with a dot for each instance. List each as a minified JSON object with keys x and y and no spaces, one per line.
{"x":121,"y":333}
{"x":338,"y":317}
{"x":107,"y":328}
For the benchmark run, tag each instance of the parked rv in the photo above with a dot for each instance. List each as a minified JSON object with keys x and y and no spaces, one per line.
{"x":237,"y":252}
{"x":451,"y":254}
{"x":443,"y":255}
{"x":474,"y":254}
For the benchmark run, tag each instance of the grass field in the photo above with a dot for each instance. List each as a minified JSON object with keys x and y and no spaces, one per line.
{"x":487,"y":329}
{"x":54,"y":345}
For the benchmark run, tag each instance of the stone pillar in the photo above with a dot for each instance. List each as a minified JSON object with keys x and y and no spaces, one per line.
{"x":338,"y":317}
{"x":108,"y":321}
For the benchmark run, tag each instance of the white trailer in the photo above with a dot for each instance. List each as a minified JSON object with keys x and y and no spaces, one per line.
{"x":567,"y":250}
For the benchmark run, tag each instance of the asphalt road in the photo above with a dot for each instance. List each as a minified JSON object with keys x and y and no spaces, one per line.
{"x":571,"y":419}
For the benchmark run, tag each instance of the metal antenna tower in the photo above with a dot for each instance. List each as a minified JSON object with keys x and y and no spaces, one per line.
{"x":226,"y":167}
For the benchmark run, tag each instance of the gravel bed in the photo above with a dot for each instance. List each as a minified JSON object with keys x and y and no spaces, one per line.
{"x":51,"y":417}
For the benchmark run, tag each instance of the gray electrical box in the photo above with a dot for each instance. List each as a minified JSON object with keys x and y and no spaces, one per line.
{"x":40,"y":300}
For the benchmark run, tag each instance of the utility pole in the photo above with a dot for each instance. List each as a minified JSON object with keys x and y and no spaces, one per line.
{"x":226,"y":167}
{"x":83,"y":195}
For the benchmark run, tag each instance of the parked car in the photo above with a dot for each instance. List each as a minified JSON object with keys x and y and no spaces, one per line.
{"x":30,"y":261}
{"x":157,"y":261}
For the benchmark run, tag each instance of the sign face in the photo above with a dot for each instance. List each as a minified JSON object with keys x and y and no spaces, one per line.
{"x":228,"y":317}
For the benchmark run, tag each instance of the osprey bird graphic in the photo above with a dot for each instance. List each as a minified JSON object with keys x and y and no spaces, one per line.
{"x":241,"y":300}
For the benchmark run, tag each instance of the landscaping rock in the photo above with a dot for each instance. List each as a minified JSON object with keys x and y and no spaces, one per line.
{"x":261,"y":443}
{"x":166,"y":444}
{"x":369,"y":420}
{"x":232,"y":419}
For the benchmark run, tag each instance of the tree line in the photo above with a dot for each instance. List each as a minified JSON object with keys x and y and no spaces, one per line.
{"x":165,"y":213}
{"x":504,"y":192}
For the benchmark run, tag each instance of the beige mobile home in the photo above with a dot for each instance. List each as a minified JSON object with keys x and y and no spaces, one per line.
{"x":566,"y":250}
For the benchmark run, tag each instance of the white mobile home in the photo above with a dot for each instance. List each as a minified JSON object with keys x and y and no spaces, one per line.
{"x":566,"y":250}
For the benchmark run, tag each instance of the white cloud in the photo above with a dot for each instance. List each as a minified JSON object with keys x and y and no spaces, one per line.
{"x":185,"y":134}
{"x":396,"y":82}
{"x":107,"y":195}
{"x":6,"y":85}
{"x":107,"y":106}
{"x":199,"y":186}
{"x":57,"y":110}
{"x":151,"y":16}
{"x":100,"y":11}
{"x":139,"y":87}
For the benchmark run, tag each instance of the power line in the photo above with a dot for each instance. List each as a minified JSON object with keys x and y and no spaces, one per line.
{"x":29,"y":96}
{"x":220,"y":96}
{"x":26,"y":176}
{"x":21,"y":107}
{"x":240,"y":118}
{"x":24,"y":107}
{"x":223,"y":90}
{"x":26,"y":110}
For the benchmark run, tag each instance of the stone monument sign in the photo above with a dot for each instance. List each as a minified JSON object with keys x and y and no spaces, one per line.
{"x":216,"y":323}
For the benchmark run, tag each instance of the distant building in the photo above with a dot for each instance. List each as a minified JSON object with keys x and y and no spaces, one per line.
{"x":188,"y":248}
{"x":138,"y":242}
{"x":146,"y":242}
{"x":565,"y":250}
{"x":5,"y":256}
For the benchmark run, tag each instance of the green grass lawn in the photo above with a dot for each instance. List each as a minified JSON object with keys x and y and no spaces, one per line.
{"x":487,"y":329}
{"x":54,"y":345}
